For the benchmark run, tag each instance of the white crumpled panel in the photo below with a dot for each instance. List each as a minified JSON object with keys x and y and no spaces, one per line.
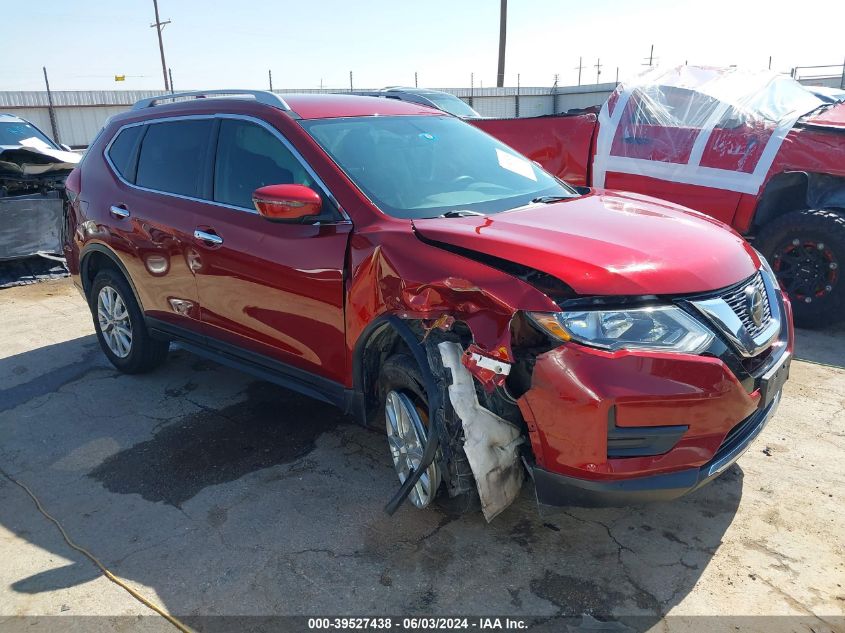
{"x":491,"y":443}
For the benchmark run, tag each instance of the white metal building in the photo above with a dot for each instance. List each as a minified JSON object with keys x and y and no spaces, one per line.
{"x":80,"y":114}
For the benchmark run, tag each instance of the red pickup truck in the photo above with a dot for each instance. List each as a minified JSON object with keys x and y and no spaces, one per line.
{"x":757,"y":151}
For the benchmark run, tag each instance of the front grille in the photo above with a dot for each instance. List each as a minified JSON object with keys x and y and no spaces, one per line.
{"x":736,"y":299}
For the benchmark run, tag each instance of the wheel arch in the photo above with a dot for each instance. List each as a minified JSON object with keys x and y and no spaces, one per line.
{"x":795,"y":191}
{"x":96,"y":257}
{"x":382,"y":338}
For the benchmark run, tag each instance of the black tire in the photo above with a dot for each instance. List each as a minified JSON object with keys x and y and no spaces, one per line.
{"x":822,"y":270}
{"x":145,"y":353}
{"x":401,"y":372}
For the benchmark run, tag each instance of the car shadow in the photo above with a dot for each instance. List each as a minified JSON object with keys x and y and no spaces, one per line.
{"x":227,"y":496}
{"x":824,"y":346}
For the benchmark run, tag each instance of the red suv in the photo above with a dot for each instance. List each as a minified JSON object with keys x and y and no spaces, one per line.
{"x":401,"y":264}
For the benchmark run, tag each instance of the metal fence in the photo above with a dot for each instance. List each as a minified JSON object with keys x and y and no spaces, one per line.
{"x":79,"y":115}
{"x":830,"y":75}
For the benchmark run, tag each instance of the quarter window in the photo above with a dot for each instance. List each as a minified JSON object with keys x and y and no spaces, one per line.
{"x":173,"y":157}
{"x":249,"y":157}
{"x":122,"y":150}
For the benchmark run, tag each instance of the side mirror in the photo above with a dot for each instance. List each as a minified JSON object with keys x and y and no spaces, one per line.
{"x":286,"y":202}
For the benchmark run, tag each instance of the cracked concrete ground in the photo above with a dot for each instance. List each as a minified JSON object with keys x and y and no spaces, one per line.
{"x":213,"y":493}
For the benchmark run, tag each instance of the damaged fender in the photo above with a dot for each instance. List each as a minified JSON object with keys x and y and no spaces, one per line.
{"x":491,"y":443}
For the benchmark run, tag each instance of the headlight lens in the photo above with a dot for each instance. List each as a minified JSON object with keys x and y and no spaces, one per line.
{"x":659,"y":328}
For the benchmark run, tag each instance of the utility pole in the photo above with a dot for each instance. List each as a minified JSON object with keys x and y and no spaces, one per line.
{"x":598,"y":71}
{"x":50,"y":107}
{"x":159,"y":25}
{"x":516,"y":101}
{"x":651,"y":56}
{"x":770,"y":62}
{"x":580,"y":66}
{"x":416,"y":84}
{"x":842,"y":81}
{"x":270,"y":75}
{"x":471,"y":88}
{"x":350,"y":81}
{"x":170,"y":75}
{"x":554,"y":94}
{"x":503,"y":32}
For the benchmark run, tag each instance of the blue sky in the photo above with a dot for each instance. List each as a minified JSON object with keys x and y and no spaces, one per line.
{"x":233,"y":44}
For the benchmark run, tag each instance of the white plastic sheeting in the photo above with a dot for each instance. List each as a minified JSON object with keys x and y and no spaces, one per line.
{"x":714,"y":127}
{"x":491,"y":443}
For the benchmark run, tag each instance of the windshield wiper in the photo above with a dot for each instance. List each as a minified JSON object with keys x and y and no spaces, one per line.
{"x":458,"y":213}
{"x":550,"y":199}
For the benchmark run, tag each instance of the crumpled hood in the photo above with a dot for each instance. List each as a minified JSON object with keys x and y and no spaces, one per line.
{"x":608,"y":243}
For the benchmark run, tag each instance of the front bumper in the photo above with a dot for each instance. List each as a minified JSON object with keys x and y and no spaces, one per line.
{"x":629,"y":426}
{"x":554,"y":489}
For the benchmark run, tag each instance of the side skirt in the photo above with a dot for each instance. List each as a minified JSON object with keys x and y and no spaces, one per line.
{"x":260,"y":366}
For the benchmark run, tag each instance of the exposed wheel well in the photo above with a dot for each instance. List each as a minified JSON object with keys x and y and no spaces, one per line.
{"x":375,"y":345}
{"x":795,"y":191}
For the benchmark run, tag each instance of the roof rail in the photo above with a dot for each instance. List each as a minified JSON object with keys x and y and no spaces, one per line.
{"x":261,"y":96}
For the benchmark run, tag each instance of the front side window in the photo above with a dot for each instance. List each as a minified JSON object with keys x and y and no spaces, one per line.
{"x":173,"y":157}
{"x":425,"y":166}
{"x":248,"y":157}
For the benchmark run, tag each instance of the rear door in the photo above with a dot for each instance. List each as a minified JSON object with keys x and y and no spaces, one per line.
{"x":659,"y":138}
{"x":163,"y":170}
{"x":271,"y":289}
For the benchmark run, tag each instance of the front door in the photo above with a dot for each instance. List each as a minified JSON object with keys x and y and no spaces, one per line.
{"x":268,"y":288}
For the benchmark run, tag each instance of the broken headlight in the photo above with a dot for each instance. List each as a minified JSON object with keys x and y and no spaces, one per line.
{"x":658,"y":328}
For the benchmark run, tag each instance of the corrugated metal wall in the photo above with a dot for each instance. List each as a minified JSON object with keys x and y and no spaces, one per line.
{"x":81,"y":114}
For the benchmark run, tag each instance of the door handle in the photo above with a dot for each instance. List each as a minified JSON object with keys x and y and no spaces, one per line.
{"x":209,"y":238}
{"x":119,"y":211}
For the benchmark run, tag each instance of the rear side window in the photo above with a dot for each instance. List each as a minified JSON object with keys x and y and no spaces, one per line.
{"x":173,"y":157}
{"x":122,"y":151}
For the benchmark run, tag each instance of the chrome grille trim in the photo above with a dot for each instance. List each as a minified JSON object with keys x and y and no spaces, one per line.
{"x":729,"y":313}
{"x":736,"y":300}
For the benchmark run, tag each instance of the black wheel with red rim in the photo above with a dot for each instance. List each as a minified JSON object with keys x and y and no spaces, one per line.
{"x":807,"y":250}
{"x":808,"y":270}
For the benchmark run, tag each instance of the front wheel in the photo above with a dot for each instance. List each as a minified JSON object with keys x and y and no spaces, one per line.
{"x":406,"y":419}
{"x":806,"y":250}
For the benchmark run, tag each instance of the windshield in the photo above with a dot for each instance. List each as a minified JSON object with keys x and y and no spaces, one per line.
{"x":21,"y":133}
{"x":425,"y":166}
{"x":453,"y":105}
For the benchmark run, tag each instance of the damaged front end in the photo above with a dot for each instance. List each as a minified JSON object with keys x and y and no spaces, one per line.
{"x":478,"y":347}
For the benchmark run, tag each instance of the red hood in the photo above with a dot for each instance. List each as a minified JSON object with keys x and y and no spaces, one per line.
{"x":608,"y":243}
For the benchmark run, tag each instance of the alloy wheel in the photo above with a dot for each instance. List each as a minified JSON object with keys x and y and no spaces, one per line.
{"x":406,"y":436}
{"x":115,"y":325}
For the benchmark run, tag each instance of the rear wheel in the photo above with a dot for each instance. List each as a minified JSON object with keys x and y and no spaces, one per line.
{"x":807,"y":250}
{"x":120,"y":326}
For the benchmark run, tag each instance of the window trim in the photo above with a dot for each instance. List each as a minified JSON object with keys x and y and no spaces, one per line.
{"x":344,"y":217}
